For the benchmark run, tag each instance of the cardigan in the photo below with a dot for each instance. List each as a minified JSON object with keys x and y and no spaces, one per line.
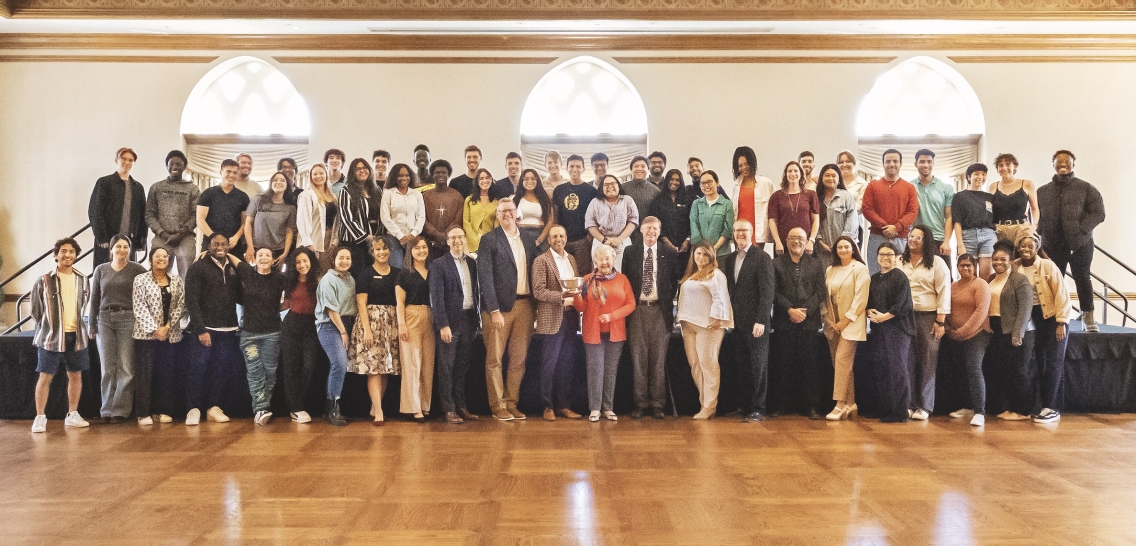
{"x":148,"y":306}
{"x":1016,"y":304}
{"x":620,"y":303}
{"x":47,"y":312}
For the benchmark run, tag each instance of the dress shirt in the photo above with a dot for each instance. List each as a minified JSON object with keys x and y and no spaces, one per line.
{"x":930,"y":286}
{"x":463,"y":274}
{"x":518,"y":248}
{"x":738,"y":262}
{"x":563,"y":266}
{"x":611,"y":218}
{"x":654,"y":251}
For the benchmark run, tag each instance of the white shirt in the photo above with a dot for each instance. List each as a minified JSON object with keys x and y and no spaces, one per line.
{"x":563,"y":266}
{"x":930,"y":287}
{"x":403,"y":214}
{"x":518,"y":248}
{"x":467,"y":286}
{"x":529,"y":214}
{"x":655,"y":269}
{"x":738,"y":262}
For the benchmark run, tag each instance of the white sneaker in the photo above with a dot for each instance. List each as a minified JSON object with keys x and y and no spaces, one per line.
{"x":920,"y":415}
{"x":163,"y":418}
{"x":75,"y":420}
{"x":978,"y":420}
{"x":193,"y":417}
{"x":959,"y":414}
{"x":216,"y":415}
{"x":301,"y":417}
{"x":262,"y":417}
{"x":146,"y":421}
{"x":40,"y":424}
{"x":1011,"y":416}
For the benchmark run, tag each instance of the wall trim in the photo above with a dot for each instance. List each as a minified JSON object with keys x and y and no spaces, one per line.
{"x":327,"y":59}
{"x":1002,"y":59}
{"x":164,"y":59}
{"x":570,"y":42}
{"x":761,"y":59}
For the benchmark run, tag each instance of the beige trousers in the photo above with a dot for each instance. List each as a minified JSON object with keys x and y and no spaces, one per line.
{"x":843,"y":354}
{"x":515,"y":337}
{"x":702,"y":346}
{"x":1013,"y":233}
{"x":417,"y":358}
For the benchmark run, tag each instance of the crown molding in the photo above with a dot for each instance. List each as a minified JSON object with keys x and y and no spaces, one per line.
{"x":163,"y":59}
{"x":328,"y":59}
{"x":575,"y":42}
{"x":762,"y":59}
{"x":1002,"y":59}
{"x":698,"y":10}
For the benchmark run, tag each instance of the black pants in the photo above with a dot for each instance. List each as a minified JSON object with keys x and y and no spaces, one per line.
{"x":1050,"y":356}
{"x":1079,"y":261}
{"x":1009,"y":375}
{"x":796,"y":374}
{"x":209,"y":369}
{"x":890,"y":350}
{"x":300,"y":347}
{"x":751,"y":369}
{"x":453,"y":361}
{"x":154,"y":365}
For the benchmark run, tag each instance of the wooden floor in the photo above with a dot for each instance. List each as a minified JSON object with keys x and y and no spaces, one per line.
{"x":785,"y":481}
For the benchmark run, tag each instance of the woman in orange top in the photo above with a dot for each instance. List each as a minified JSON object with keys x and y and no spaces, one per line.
{"x":605,"y":302}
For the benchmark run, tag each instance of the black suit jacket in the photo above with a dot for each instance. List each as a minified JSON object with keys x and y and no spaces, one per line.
{"x":793,"y":292}
{"x":446,"y":295}
{"x":105,"y":210}
{"x":667,"y":276}
{"x":751,"y":294}
{"x":497,"y":271}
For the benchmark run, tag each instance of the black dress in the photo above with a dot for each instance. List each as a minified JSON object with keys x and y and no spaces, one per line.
{"x":881,"y":369}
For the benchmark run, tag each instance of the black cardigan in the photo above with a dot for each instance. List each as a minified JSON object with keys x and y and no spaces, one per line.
{"x":105,"y":210}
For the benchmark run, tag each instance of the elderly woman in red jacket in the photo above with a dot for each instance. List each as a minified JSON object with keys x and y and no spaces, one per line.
{"x":605,"y":301}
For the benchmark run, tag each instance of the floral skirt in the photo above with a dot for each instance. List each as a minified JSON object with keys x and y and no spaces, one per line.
{"x":382,"y":357}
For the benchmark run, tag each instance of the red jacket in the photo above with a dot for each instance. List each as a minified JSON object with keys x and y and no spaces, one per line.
{"x":890,"y":204}
{"x":620,"y":303}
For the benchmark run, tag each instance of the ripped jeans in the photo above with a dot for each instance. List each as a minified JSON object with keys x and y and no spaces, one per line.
{"x":261,"y":352}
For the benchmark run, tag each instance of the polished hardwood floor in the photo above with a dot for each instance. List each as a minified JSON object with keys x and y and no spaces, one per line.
{"x":784,"y":481}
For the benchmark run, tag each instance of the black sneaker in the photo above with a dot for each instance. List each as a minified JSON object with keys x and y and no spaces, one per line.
{"x":1047,"y":416}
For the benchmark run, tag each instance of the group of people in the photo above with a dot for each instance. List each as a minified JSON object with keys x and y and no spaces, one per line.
{"x":394,"y":273}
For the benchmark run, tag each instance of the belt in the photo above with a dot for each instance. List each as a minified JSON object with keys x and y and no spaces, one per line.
{"x":1010,"y":222}
{"x":524,"y":296}
{"x":650,"y":303}
{"x":116,"y":308}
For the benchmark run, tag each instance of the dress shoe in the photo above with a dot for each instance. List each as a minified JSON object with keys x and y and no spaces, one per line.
{"x":657,"y":413}
{"x":837,"y":413}
{"x":549,"y":415}
{"x":420,"y":419}
{"x":378,"y":423}
{"x":611,"y":416}
{"x":637,"y":413}
{"x":465,"y":414}
{"x":453,"y":419}
{"x":502,"y":415}
{"x":706,"y":413}
{"x":331,"y":413}
{"x":569,"y":414}
{"x":814,"y":415}
{"x":754,"y":417}
{"x":738,"y":412}
{"x":594,"y":416}
{"x":516,"y":413}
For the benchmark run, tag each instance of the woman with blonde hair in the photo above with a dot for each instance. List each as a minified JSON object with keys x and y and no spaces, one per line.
{"x":704,"y":313}
{"x":317,"y":217}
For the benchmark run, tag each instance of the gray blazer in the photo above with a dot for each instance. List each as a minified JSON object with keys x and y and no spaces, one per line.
{"x":1017,"y":305}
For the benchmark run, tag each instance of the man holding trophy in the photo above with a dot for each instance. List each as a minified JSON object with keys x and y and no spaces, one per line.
{"x":555,"y":281}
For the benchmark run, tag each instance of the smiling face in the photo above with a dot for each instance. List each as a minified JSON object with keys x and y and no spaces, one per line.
{"x":264,"y":258}
{"x":639,"y":170}
{"x":303,"y":264}
{"x":966,"y":270}
{"x":420,"y":252}
{"x":1001,"y":261}
{"x":175,"y":167}
{"x":244,"y":166}
{"x":529,"y":181}
{"x":441,"y":175}
{"x":892,"y":163}
{"x":701,"y":257}
{"x":603,"y":262}
{"x":288,"y":169}
{"x":674,"y":183}
{"x":657,"y":166}
{"x":456,"y":239}
{"x":218,"y":247}
{"x":1027,"y":249}
{"x":1063,"y":164}
{"x":844,"y":251}
{"x":743,"y":167}
{"x":845,"y":163}
{"x":557,"y":238}
{"x":318,"y":176}
{"x":610,"y":188}
{"x":380,"y":251}
{"x":575,"y":169}
{"x":484,"y":182}
{"x":599,"y":167}
{"x":977,"y":180}
{"x":709,"y":185}
{"x":807,"y":163}
{"x":121,"y":249}
{"x":650,"y":232}
{"x":65,"y":257}
{"x":796,"y":242}
{"x":342,"y":260}
{"x":830,"y":179}
{"x":507,"y":214}
{"x":513,"y":167}
{"x":1006,"y":169}
{"x":886,"y":259}
{"x":793,"y":175}
{"x":403,"y":179}
{"x":279,"y":184}
{"x":743,"y":233}
{"x":915,"y":242}
{"x":125,"y":162}
{"x":472,"y":161}
{"x":552,"y":165}
{"x":924,"y":164}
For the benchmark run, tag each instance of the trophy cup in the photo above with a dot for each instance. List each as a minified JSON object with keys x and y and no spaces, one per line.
{"x":571,"y":285}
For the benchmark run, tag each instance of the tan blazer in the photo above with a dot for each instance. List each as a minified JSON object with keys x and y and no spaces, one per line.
{"x":548,"y":292}
{"x":847,"y":297}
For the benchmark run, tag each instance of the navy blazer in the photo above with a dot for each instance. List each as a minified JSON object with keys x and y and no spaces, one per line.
{"x":446,"y":295}
{"x":752,"y":294}
{"x":497,"y":270}
{"x":669,"y":272}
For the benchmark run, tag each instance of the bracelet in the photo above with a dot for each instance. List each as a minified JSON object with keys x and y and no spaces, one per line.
{"x":937,"y":323}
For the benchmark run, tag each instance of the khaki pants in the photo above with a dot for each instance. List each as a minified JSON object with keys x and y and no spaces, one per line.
{"x":843,"y":354}
{"x":702,"y":346}
{"x":417,"y":358}
{"x":515,"y":337}
{"x":1013,"y":233}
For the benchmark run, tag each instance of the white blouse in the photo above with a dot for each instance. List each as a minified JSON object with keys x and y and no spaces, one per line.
{"x":701,"y":301}
{"x":403,"y":214}
{"x":529,"y":213}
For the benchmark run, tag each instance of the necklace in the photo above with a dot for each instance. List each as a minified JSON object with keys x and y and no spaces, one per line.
{"x":793,"y":205}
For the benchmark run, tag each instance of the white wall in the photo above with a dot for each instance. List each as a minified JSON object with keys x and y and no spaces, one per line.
{"x":60,"y":123}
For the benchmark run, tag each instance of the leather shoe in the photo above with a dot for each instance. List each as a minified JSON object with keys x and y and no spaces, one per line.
{"x":503,"y":415}
{"x":453,"y":419}
{"x":569,"y":414}
{"x":657,"y":413}
{"x":515,"y":412}
{"x":736,"y":413}
{"x":465,"y":414}
{"x":637,"y":413}
{"x":814,"y":415}
{"x":331,"y":413}
{"x":421,"y":420}
{"x":549,"y":415}
{"x":754,"y":417}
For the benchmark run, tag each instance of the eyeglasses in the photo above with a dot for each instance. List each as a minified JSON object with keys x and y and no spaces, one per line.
{"x":886,"y":254}
{"x":797,"y":238}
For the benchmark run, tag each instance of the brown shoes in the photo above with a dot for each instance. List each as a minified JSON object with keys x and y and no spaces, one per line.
{"x":502,"y":415}
{"x":453,"y":419}
{"x":465,"y":414}
{"x":549,"y":415}
{"x":569,"y":414}
{"x":515,"y":412}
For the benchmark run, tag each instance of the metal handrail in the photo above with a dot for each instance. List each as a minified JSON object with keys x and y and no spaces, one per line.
{"x":41,"y":258}
{"x":17,"y":327}
{"x":1115,"y":259}
{"x":1127,"y":317}
{"x":1104,"y":297}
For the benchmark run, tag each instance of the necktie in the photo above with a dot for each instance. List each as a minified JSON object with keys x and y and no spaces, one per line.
{"x":649,"y":273}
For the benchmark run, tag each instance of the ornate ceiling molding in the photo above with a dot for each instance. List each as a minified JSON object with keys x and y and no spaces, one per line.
{"x":571,"y":42}
{"x":701,"y":10}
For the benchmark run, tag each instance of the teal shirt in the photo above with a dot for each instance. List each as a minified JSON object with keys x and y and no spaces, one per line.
{"x":709,"y":222}
{"x":335,"y":293}
{"x":934,"y":199}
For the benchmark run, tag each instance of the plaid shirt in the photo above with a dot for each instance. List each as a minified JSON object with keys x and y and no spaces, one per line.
{"x":47,"y":311}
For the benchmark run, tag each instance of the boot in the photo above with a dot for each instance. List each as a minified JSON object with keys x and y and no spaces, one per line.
{"x":331,"y":414}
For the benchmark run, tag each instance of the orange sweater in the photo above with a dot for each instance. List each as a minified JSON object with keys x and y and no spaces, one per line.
{"x":620,"y":303}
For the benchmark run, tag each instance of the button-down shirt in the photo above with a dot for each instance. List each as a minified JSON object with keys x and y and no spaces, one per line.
{"x":738,"y":262}
{"x":467,"y":287}
{"x":518,"y":248}
{"x":654,"y":251}
{"x":563,"y":266}
{"x":403,"y":214}
{"x":611,"y":218}
{"x":930,"y":287}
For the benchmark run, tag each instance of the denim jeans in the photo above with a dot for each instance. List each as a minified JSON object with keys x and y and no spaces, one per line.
{"x":116,"y":352}
{"x":332,"y":343}
{"x":261,"y":352}
{"x":874,"y":242}
{"x":966,"y":355}
{"x":210,"y":366}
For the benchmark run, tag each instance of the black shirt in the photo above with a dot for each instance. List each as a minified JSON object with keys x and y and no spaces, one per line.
{"x":973,"y":209}
{"x":379,"y":288}
{"x":417,"y":288}
{"x":675,"y":216}
{"x":225,"y":209}
{"x":211,"y":295}
{"x":260,"y":296}
{"x":571,"y":202}
{"x":463,"y":184}
{"x":891,"y":293}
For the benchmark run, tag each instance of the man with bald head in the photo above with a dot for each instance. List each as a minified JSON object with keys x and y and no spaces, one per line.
{"x":453,"y":306}
{"x":796,"y":373}
{"x":557,"y":322}
{"x":749,"y":278}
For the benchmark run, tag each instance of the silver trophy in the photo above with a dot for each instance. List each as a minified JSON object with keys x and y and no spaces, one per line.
{"x":571,"y":285}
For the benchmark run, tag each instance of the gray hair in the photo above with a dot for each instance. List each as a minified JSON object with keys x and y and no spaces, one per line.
{"x":603,"y":250}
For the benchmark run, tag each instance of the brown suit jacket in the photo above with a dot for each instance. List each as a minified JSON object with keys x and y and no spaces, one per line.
{"x":548,"y":292}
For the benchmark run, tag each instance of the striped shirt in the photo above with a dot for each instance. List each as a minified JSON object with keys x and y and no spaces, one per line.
{"x":47,"y":311}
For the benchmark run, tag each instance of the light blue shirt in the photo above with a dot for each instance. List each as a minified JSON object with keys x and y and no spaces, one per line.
{"x":335,"y":293}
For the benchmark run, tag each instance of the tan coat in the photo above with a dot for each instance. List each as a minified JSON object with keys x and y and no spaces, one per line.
{"x":548,"y":292}
{"x":848,"y":291}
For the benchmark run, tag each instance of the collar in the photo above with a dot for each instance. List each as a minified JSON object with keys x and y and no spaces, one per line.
{"x":511,"y":236}
{"x":221,"y":264}
{"x":457,"y":258}
{"x":558,"y":255}
{"x":746,"y":249}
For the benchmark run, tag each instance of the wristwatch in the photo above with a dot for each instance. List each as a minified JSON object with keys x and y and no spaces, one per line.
{"x":938,"y":323}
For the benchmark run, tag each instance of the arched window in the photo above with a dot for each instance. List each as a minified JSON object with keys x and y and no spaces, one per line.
{"x":921,"y":103}
{"x":583,"y":106}
{"x":244,"y":105}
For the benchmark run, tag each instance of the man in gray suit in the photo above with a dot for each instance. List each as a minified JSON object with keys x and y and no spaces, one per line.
{"x":653,"y":271}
